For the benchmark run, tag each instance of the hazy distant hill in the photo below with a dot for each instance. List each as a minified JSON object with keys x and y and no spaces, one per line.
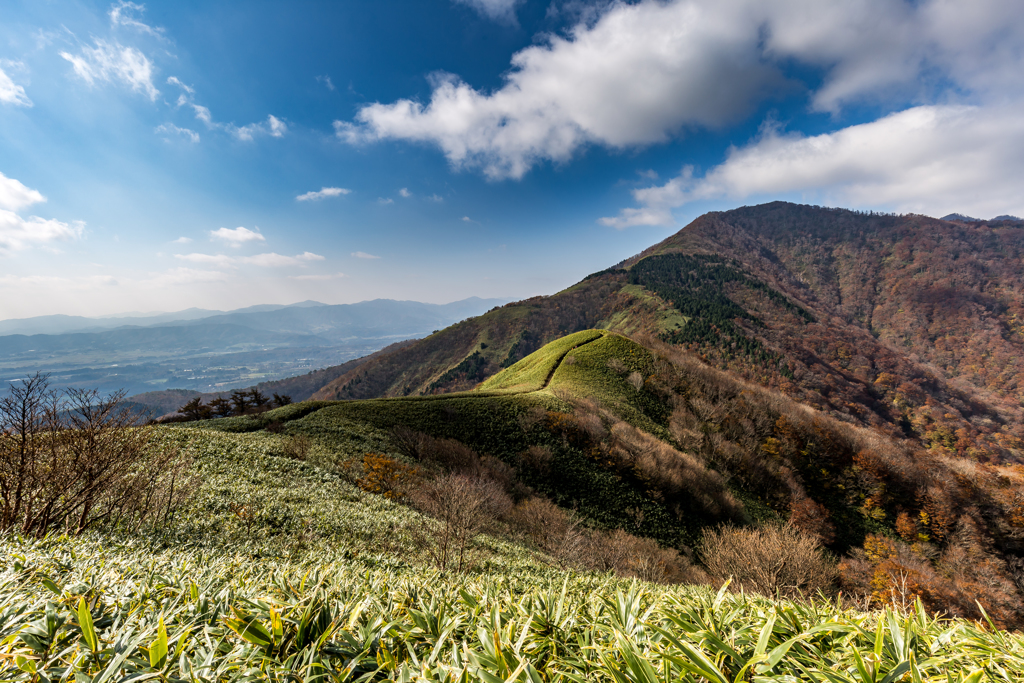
{"x":215,"y":351}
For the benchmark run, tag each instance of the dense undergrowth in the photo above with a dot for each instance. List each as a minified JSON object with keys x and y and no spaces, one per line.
{"x":96,"y":610}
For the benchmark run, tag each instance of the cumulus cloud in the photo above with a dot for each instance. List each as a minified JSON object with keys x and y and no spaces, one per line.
{"x":641,"y":73}
{"x":323,"y":193}
{"x":14,"y":196}
{"x":385,"y":201}
{"x":238,"y":236}
{"x":363,"y":255}
{"x":18,"y":232}
{"x":169,"y":130}
{"x":110,"y":62}
{"x":499,"y":10}
{"x":12,"y":93}
{"x":404,"y":192}
{"x":182,"y":240}
{"x":928,"y":159}
{"x":124,"y":13}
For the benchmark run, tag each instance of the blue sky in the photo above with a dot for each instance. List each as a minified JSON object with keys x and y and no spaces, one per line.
{"x":165,"y":155}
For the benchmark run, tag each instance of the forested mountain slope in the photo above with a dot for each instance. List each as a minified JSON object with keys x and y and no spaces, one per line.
{"x":909,"y":324}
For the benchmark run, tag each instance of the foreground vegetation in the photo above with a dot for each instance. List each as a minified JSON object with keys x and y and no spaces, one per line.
{"x":89,"y":609}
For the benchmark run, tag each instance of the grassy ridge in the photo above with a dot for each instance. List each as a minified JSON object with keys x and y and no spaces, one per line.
{"x":92,"y":610}
{"x":533,"y":372}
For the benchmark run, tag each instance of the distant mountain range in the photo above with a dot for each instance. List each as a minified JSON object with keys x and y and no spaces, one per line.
{"x":205,"y":350}
{"x":969,"y":219}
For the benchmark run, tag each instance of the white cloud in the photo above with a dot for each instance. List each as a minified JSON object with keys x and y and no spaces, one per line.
{"x":404,"y":192}
{"x":640,"y":73}
{"x":114,"y":62}
{"x":17,"y":233}
{"x":326,"y":80}
{"x":273,"y":260}
{"x":323,"y":193}
{"x":218,"y":260}
{"x":173,"y":80}
{"x":274,"y":127}
{"x":182,"y":240}
{"x":121,"y":14}
{"x":169,"y":129}
{"x":363,"y":255}
{"x":12,"y":93}
{"x":435,"y":198}
{"x":929,"y":159}
{"x":385,"y":202}
{"x":15,"y":196}
{"x":238,"y":236}
{"x":467,"y":219}
{"x":499,"y":10}
{"x":202,"y":114}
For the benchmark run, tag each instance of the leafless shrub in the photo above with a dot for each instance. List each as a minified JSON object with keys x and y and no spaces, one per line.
{"x":298,"y":446}
{"x":641,"y":558}
{"x":774,"y":560}
{"x":617,"y":366}
{"x":74,"y":458}
{"x":552,"y":529}
{"x":462,"y":507}
{"x":532,"y":417}
{"x":537,"y":458}
{"x":636,"y":380}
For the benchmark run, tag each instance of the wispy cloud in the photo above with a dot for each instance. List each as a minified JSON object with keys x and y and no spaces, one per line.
{"x":326,"y":80}
{"x":123,"y":14}
{"x":12,"y":93}
{"x":268,"y":260}
{"x":435,"y":198}
{"x":278,"y":260}
{"x":182,"y":240}
{"x":323,"y":193}
{"x":404,"y":192}
{"x":110,"y":62}
{"x":363,"y":255}
{"x":173,"y":80}
{"x":385,"y":201}
{"x":272,"y":126}
{"x":169,"y":129}
{"x":187,"y":276}
{"x":498,"y":10}
{"x":238,"y":236}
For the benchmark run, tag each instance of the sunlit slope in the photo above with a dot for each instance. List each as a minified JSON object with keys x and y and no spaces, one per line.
{"x":536,"y":370}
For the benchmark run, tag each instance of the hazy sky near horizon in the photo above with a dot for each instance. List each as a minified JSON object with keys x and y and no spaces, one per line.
{"x":163,"y":155}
